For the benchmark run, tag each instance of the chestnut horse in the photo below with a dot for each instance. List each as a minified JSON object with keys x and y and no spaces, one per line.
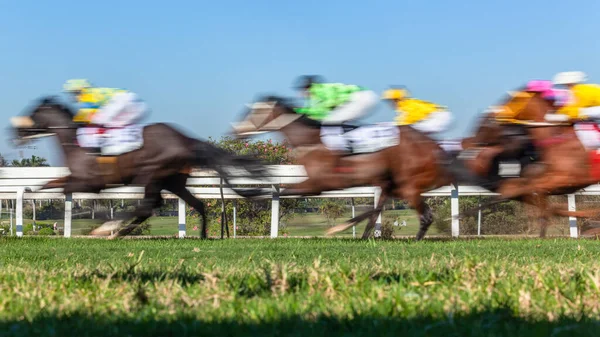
{"x":560,"y":163}
{"x":416,"y":164}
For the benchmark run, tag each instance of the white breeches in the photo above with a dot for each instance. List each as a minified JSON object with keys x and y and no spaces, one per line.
{"x":123,"y":109}
{"x":593,"y":112}
{"x":436,"y":122}
{"x":359,"y":105}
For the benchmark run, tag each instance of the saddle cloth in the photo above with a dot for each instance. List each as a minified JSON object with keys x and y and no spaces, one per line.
{"x":588,"y":134}
{"x":112,"y":142}
{"x":363,"y":139}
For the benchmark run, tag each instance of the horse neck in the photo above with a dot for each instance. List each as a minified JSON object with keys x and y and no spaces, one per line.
{"x":299,"y":134}
{"x":67,"y":138}
{"x":65,"y":132}
{"x":536,"y":109}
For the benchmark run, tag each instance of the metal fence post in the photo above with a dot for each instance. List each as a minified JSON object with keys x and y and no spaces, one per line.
{"x":275,"y":211}
{"x":68,"y":214}
{"x":573,"y":230}
{"x":181,"y":215}
{"x":454,"y":210}
{"x":19,"y":222}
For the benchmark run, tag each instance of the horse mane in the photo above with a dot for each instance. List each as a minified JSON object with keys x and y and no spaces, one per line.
{"x":54,"y":102}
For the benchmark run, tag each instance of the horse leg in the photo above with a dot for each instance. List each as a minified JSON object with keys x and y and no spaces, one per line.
{"x":371,"y":224}
{"x":514,"y":189}
{"x":415,"y":201}
{"x":342,"y":227}
{"x":425,"y":219}
{"x":588,"y":213}
{"x":56,"y":183}
{"x":176,"y":184}
{"x":152,"y":199}
{"x":304,"y":188}
{"x":541,"y":203}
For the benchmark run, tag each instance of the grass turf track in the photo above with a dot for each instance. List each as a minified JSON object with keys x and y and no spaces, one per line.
{"x":311,"y":287}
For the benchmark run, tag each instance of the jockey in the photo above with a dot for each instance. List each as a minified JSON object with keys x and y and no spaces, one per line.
{"x":106,"y":107}
{"x":584,"y":99}
{"x":107,"y":112}
{"x":333,"y":104}
{"x":424,"y":116}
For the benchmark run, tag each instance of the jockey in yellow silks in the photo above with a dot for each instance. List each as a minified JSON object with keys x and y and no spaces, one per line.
{"x":107,"y":107}
{"x":582,"y":103}
{"x":111,"y":116}
{"x":584,"y":99}
{"x":424,"y":116}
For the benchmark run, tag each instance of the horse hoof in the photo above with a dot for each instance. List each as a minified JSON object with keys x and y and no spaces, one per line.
{"x":337,"y":229}
{"x":107,"y":228}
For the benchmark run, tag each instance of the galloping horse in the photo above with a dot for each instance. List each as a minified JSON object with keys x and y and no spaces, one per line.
{"x":561,"y":163}
{"x":163,"y":162}
{"x":414,"y":164}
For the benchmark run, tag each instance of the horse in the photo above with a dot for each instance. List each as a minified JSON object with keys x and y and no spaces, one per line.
{"x":553,"y":159}
{"x":164,"y":161}
{"x":411,"y":165}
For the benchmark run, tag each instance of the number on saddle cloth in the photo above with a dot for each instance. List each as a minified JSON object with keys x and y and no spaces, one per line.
{"x":89,"y":137}
{"x":123,"y":140}
{"x":112,"y":141}
{"x":372,"y":138}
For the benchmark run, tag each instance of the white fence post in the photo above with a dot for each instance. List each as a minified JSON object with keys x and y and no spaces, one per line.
{"x":19,"y":222}
{"x":454,"y":210}
{"x":234,"y":218}
{"x":377,"y":231}
{"x":354,"y":226}
{"x":181,"y":215}
{"x":275,"y":212}
{"x":10,"y":210}
{"x":68,"y":214}
{"x":479,"y":221}
{"x":573,"y":230}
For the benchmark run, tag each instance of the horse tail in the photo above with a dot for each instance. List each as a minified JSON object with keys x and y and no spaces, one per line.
{"x":209,"y":155}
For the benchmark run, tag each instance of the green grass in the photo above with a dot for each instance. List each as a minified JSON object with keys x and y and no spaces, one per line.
{"x":311,"y":287}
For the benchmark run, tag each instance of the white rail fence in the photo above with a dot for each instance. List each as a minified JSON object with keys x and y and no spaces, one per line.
{"x":15,"y":184}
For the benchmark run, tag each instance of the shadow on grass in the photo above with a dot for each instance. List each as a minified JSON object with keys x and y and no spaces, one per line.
{"x":488,"y":323}
{"x":181,"y":277}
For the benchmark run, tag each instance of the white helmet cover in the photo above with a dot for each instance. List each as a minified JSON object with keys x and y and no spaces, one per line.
{"x":570,"y":77}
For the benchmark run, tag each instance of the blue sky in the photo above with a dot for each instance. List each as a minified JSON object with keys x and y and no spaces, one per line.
{"x":198,"y":62}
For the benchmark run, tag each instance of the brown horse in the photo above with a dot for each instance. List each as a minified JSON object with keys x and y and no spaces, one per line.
{"x":406,"y":170}
{"x":163,"y":162}
{"x":561,"y":163}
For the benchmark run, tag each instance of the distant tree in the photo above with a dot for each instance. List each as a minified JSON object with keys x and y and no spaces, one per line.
{"x":34,"y":161}
{"x":270,"y":152}
{"x":332,"y":210}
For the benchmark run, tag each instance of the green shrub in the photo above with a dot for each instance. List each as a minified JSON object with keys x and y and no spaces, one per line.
{"x":46,"y":231}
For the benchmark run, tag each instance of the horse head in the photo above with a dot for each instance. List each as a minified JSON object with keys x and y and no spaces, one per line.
{"x":48,"y":114}
{"x":527,"y":106}
{"x":267,"y":114}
